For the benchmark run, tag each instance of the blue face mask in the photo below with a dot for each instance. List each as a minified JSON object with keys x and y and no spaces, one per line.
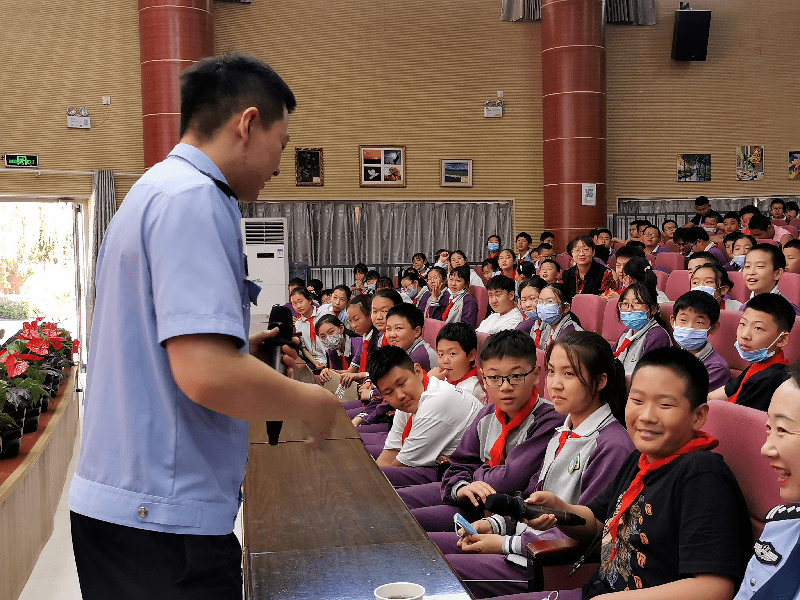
{"x":532,"y":314}
{"x":549,"y":313}
{"x":493,"y":247}
{"x":411,"y":292}
{"x":634,"y":320}
{"x":705,"y":288}
{"x":756,"y":356}
{"x":738,"y":260}
{"x":370,"y":287}
{"x":689,"y":338}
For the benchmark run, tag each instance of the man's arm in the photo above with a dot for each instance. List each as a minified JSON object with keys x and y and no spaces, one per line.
{"x":388,"y":458}
{"x":703,"y":586}
{"x":213,"y":373}
{"x":718,"y":394}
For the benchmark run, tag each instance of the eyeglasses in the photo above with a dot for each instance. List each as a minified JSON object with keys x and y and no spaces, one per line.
{"x":627,"y":306}
{"x":496,"y":381}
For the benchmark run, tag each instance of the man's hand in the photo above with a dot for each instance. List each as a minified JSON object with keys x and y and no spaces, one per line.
{"x":437,"y":372}
{"x":483,"y":543}
{"x":475,"y":492}
{"x":289,"y":353}
{"x":320,"y":420}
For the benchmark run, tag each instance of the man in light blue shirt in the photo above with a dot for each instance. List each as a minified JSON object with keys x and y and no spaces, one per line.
{"x":171,"y":379}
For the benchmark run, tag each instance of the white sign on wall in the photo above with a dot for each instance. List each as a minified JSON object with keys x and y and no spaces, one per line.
{"x":589,"y":194}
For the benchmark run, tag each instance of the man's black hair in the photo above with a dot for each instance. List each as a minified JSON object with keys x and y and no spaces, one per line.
{"x":543,"y":246}
{"x":759,"y":222}
{"x":707,"y":256}
{"x":501,"y":282}
{"x":792,"y":244}
{"x":685,"y":365}
{"x":372,"y":274}
{"x":384,"y":359}
{"x":216,"y":88}
{"x":551,"y":262}
{"x":600,"y":230}
{"x":462,"y":272}
{"x":409,"y":312}
{"x":776,"y":306}
{"x":713,"y":215}
{"x":775,"y":253}
{"x":700,"y":302}
{"x":461,"y":333}
{"x":526,"y":236}
{"x":509,"y":343}
{"x":345,"y":289}
{"x":391,"y":294}
{"x":732,"y":215}
{"x":630,"y":251}
{"x":701,"y":201}
{"x":749,"y":209}
{"x":297,"y":281}
{"x":546,"y":234}
{"x":777,"y":201}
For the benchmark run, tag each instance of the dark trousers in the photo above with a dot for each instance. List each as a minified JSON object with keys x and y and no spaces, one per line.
{"x":116,"y":562}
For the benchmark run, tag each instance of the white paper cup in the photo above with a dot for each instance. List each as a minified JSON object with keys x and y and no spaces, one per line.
{"x":401,"y":589}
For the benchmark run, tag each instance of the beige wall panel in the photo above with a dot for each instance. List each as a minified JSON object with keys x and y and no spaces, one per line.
{"x":413,"y":73}
{"x":70,"y":53}
{"x":746,"y":93}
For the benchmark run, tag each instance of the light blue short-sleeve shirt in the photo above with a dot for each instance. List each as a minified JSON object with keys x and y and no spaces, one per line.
{"x":171,"y":264}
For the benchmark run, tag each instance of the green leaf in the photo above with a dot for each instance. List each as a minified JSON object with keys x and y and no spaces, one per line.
{"x":6,"y":421}
{"x":32,"y":386}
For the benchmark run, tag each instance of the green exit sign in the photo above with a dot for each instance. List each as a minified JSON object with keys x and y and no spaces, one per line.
{"x":22,"y":160}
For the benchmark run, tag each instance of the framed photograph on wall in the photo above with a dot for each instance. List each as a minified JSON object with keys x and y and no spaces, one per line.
{"x":456,"y":172}
{"x":382,"y":166}
{"x":749,"y":163}
{"x":794,"y":164}
{"x":694,"y":167}
{"x":308,"y":168}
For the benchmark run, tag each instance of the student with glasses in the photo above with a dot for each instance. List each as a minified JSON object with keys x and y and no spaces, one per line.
{"x":586,"y":276}
{"x":555,"y":318}
{"x":645,"y":330}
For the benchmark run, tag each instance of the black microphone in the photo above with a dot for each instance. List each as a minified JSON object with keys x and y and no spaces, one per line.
{"x":270,"y":352}
{"x":515,"y":507}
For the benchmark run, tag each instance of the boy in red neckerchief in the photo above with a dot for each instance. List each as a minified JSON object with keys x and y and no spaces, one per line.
{"x":503,"y":449}
{"x":430,"y":416}
{"x":764,"y":330}
{"x":673,"y":523}
{"x":457,"y":349}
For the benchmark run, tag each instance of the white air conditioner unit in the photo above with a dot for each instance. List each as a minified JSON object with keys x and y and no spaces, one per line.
{"x":265,"y":245}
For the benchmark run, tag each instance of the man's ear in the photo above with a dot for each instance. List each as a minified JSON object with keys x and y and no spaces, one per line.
{"x":471,"y":356}
{"x":672,"y":321}
{"x":419,"y":371}
{"x":247,"y":119}
{"x":783,"y":339}
{"x":714,"y":328}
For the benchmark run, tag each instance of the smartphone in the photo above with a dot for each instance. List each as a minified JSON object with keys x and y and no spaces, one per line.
{"x":464,"y":524}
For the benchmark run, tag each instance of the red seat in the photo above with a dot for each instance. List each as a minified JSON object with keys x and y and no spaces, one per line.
{"x":430,"y":329}
{"x":565,"y":260}
{"x":661,"y":278}
{"x":789,"y":287}
{"x":612,"y":327}
{"x":589,"y":308}
{"x":479,"y":270}
{"x":739,"y":291}
{"x":722,"y":341}
{"x":612,"y":262}
{"x":666,"y":310}
{"x":395,"y":282}
{"x":671,"y":261}
{"x":778,"y":222}
{"x":792,"y":349}
{"x":618,"y":245}
{"x":540,"y":362}
{"x":670,"y":245}
{"x":677,"y":284}
{"x":740,"y":431}
{"x":482,"y":298}
{"x":795,"y":222}
{"x":773,"y":242}
{"x":791,"y":229}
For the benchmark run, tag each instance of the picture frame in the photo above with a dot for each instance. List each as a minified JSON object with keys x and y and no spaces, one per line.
{"x":456,"y":172}
{"x":794,"y":164}
{"x":749,"y":163}
{"x":308,"y":167}
{"x":694,"y":167}
{"x":382,"y":166}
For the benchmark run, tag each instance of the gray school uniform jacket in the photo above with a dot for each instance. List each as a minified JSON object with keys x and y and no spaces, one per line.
{"x":549,"y":334}
{"x":422,"y":354}
{"x":649,"y":337}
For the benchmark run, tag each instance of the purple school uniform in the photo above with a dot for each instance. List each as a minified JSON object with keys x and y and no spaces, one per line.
{"x":654,"y":337}
{"x":526,"y":326}
{"x":422,"y":300}
{"x":291,"y":308}
{"x":422,"y":354}
{"x":719,"y":373}
{"x":468,"y":463}
{"x":335,"y":359}
{"x":469,"y":309}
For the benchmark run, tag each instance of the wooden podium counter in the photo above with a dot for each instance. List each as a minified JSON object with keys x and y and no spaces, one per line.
{"x":324,"y":523}
{"x":30,"y":495}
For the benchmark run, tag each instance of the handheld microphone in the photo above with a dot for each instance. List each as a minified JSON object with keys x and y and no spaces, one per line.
{"x":270,"y":352}
{"x":515,"y":507}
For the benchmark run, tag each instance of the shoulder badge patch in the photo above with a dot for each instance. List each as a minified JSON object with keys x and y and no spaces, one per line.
{"x":574,"y":464}
{"x":784,"y":512}
{"x":766,"y":554}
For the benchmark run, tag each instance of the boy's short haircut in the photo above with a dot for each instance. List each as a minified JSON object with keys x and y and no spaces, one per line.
{"x":409,"y":312}
{"x":664,"y":224}
{"x":775,"y":253}
{"x":526,"y":236}
{"x":372,"y":275}
{"x":732,"y":237}
{"x":791,"y":205}
{"x":547,"y":234}
{"x":759,"y":222}
{"x":509,"y":343}
{"x":420,"y":255}
{"x":461,"y":333}
{"x":696,"y":234}
{"x":391,"y":294}
{"x":701,"y":201}
{"x":386,"y":358}
{"x":360,"y":268}
{"x":682,"y":363}
{"x":713,"y":215}
{"x":792,"y":244}
{"x":217,"y":87}
{"x":600,"y":230}
{"x":461,"y":272}
{"x":651,"y":226}
{"x":629,"y":252}
{"x":297,"y":281}
{"x":700,"y":302}
{"x":550,"y":261}
{"x":413,"y":277}
{"x":601,"y":252}
{"x":636,"y":244}
{"x":707,"y":256}
{"x":776,"y":306}
{"x":749,"y":210}
{"x":501,"y":282}
{"x":678,"y":236}
{"x":775,"y":201}
{"x":527,"y":269}
{"x":316,"y":284}
{"x":347,"y":292}
{"x":492,"y":262}
{"x":732,"y":215}
{"x":543,"y":246}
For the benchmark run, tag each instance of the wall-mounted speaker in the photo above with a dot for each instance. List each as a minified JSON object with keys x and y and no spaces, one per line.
{"x":690,"y":36}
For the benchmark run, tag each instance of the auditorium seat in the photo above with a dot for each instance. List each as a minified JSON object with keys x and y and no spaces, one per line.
{"x":612,"y":262}
{"x":430,"y":330}
{"x":677,"y":284}
{"x":666,"y":310}
{"x":722,"y":341}
{"x":792,"y":349}
{"x":739,"y":291}
{"x":482,"y":298}
{"x":395,"y":282}
{"x":618,"y":245}
{"x":479,"y":270}
{"x":795,"y":222}
{"x":565,"y":260}
{"x":791,"y":229}
{"x":773,"y":242}
{"x":789,"y":287}
{"x":541,"y":355}
{"x":779,"y":222}
{"x":612,"y":327}
{"x":671,"y":261}
{"x":482,"y":337}
{"x":670,"y":245}
{"x":661,"y":280}
{"x":589,"y":308}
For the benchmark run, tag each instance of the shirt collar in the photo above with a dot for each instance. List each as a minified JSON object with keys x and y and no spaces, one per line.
{"x":198,"y":159}
{"x":590,"y":424}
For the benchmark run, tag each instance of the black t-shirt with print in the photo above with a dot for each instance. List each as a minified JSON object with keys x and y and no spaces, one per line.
{"x":757,"y":392}
{"x":690,"y":518}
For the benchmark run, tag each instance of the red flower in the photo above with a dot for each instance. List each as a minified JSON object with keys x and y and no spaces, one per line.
{"x":38,"y":345}
{"x":14,"y":366}
{"x":50,"y":332}
{"x":75,"y":346}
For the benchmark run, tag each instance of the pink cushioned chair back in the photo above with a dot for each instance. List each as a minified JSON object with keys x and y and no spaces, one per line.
{"x":564,"y":260}
{"x":542,"y":384}
{"x":792,"y":349}
{"x":677,"y":284}
{"x":739,"y":291}
{"x":482,"y":298}
{"x":789,"y":287}
{"x":778,"y":222}
{"x":670,"y":245}
{"x":666,"y":310}
{"x":722,"y":341}
{"x":612,"y":328}
{"x":430,"y":330}
{"x":773,"y":242}
{"x":791,"y":229}
{"x":479,"y":270}
{"x":590,"y":309}
{"x":671,"y":261}
{"x":661,"y":280}
{"x":740,"y":431}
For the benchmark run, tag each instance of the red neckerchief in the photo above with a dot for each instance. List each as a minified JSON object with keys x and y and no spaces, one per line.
{"x":538,"y":338}
{"x":384,"y":341}
{"x":701,"y":441}
{"x":622,"y":347}
{"x":311,"y":331}
{"x":362,"y":367}
{"x":775,"y":359}
{"x":345,"y":364}
{"x":722,"y":304}
{"x":493,"y":255}
{"x":447,"y":310}
{"x":562,"y":439}
{"x":496,"y":453}
{"x":407,"y":428}
{"x":472,"y":373}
